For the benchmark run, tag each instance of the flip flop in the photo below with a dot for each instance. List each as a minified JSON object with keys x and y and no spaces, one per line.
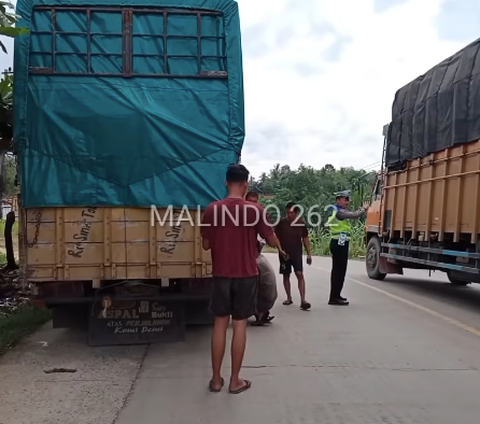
{"x":248,"y":384}
{"x":288,"y":302}
{"x":305,"y":306}
{"x":263,"y":321}
{"x":213,"y":389}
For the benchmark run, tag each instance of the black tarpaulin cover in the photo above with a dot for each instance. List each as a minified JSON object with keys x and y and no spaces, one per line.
{"x":437,"y":110}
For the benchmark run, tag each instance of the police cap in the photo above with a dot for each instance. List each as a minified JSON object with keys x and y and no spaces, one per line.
{"x":343,"y":193}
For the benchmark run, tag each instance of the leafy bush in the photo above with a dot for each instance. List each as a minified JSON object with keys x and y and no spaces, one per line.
{"x":320,"y":241}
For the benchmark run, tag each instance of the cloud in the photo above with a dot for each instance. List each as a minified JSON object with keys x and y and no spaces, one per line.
{"x":384,"y":5}
{"x":320,"y":76}
{"x":325,"y":91}
{"x":458,"y":20}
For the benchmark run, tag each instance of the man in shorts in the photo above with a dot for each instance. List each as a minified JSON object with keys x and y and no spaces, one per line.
{"x":267,"y":289}
{"x":292,"y":233}
{"x":230,"y":231}
{"x":262,"y":316}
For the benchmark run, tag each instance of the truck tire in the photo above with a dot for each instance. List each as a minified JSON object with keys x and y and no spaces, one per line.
{"x":372,"y":260}
{"x":455,"y":281}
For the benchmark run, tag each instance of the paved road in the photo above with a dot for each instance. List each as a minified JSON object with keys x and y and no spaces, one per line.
{"x":404,"y":351}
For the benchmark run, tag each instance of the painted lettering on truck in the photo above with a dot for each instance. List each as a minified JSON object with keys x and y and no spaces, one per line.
{"x":84,"y":233}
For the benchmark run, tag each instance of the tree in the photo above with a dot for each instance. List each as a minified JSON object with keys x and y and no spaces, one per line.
{"x":8,"y":20}
{"x":6,"y":112}
{"x":10,"y":175}
{"x":311,"y":187}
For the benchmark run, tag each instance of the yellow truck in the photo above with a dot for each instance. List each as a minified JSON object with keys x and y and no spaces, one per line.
{"x":425,"y":210}
{"x":124,"y":128}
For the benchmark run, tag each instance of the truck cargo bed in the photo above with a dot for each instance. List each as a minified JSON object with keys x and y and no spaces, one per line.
{"x":101,"y":243}
{"x":437,"y":193}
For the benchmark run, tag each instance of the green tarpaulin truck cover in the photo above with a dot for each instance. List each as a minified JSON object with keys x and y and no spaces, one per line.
{"x":136,"y":103}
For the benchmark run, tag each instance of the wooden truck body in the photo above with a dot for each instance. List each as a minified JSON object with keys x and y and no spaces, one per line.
{"x":125,"y":113}
{"x":425,"y":210}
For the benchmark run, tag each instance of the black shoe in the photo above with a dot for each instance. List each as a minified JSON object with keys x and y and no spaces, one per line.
{"x":339,"y":302}
{"x":343,"y":298}
{"x":265,"y":318}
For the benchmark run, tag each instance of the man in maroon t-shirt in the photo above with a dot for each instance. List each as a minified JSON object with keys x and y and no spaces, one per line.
{"x":230,"y":230}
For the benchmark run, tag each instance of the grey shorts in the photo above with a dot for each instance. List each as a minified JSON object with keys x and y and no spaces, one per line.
{"x":235,"y":297}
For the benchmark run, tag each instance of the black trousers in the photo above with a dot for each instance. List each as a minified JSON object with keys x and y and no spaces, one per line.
{"x":339,"y":268}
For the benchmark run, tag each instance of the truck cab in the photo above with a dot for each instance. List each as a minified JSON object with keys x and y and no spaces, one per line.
{"x":373,"y":220}
{"x":377,"y":266}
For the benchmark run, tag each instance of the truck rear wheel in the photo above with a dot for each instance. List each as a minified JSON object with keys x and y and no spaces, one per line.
{"x":372,"y":260}
{"x":456,"y":281}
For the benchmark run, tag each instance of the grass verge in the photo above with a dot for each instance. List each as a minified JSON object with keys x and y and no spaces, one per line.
{"x":20,"y":323}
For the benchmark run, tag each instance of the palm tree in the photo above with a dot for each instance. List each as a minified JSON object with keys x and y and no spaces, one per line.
{"x":8,"y":19}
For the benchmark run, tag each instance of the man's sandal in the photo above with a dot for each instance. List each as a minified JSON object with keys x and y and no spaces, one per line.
{"x":305,"y":306}
{"x":288,"y":302}
{"x":213,"y":389}
{"x":248,"y":384}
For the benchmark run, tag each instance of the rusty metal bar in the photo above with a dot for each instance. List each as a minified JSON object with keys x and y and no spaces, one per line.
{"x":144,"y":9}
{"x":166,"y":69}
{"x":89,"y":40}
{"x":171,"y":55}
{"x":127,"y":41}
{"x":54,"y":39}
{"x":79,"y":32}
{"x":214,"y":37}
{"x":199,"y":42}
{"x":81,"y":53}
{"x":121,"y":54}
{"x":43,"y":71}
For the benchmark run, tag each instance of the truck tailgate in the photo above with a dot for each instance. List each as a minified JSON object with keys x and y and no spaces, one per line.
{"x":109,"y":243}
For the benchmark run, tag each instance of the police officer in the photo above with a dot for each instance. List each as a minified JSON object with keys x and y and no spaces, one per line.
{"x":340,"y":232}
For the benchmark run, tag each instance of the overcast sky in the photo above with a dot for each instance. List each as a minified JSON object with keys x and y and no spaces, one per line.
{"x":320,"y":75}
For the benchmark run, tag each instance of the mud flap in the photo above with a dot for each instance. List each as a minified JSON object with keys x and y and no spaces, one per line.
{"x":386,"y":267}
{"x":135,"y":321}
